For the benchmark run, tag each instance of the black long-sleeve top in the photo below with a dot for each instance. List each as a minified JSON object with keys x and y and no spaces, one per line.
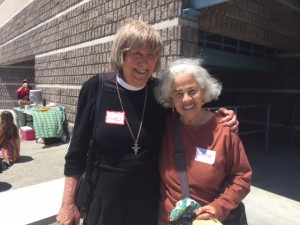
{"x":120,"y":173}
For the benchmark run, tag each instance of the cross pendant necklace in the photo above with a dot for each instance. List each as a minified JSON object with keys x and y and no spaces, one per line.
{"x":135,"y":146}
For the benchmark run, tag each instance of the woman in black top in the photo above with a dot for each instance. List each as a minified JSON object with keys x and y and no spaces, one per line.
{"x":127,"y":137}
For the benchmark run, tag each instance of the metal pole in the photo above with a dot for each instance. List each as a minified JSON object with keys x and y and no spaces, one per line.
{"x":293,"y":124}
{"x":268,"y":127}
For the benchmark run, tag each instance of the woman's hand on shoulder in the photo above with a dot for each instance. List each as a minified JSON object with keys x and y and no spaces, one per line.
{"x":229,"y":119}
{"x":68,"y":214}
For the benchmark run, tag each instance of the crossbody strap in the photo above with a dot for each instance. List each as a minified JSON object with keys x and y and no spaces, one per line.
{"x":97,"y":114}
{"x":180,"y":160}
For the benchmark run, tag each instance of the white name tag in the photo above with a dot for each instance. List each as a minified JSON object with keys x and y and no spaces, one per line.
{"x":205,"y":155}
{"x":114,"y":117}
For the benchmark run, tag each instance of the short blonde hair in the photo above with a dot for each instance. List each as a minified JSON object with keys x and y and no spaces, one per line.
{"x":134,"y":35}
{"x":191,"y":66}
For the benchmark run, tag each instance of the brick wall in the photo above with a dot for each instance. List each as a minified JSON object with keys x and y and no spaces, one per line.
{"x":33,"y":15}
{"x":62,"y":74}
{"x":89,"y":21}
{"x":266,"y":22}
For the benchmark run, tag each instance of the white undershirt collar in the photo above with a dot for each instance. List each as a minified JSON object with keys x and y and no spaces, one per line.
{"x":127,"y":86}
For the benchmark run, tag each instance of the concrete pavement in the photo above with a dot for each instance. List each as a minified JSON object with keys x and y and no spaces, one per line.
{"x":38,"y":163}
{"x":273,"y":200}
{"x":33,"y":186}
{"x":275,"y":193}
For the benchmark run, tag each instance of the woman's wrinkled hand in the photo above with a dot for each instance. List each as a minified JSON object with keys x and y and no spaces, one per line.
{"x":68,"y":214}
{"x":230,"y":119}
{"x":206,"y":212}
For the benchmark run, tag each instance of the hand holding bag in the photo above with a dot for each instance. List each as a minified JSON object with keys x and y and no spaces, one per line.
{"x":207,"y":222}
{"x":84,"y":186}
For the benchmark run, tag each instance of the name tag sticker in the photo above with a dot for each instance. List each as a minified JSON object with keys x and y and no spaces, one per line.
{"x":205,"y":155}
{"x":115,"y":117}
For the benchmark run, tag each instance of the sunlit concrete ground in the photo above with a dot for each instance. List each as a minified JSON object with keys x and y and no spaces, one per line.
{"x":273,"y":200}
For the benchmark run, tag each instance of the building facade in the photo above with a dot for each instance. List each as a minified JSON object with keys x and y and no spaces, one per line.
{"x":252,"y":46}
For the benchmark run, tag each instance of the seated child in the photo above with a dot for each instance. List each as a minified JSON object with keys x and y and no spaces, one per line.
{"x":9,"y":140}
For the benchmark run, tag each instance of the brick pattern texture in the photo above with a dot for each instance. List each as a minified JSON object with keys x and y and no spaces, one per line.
{"x":265,"y":22}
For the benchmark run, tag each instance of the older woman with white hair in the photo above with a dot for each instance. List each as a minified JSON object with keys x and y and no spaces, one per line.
{"x":217,"y":168}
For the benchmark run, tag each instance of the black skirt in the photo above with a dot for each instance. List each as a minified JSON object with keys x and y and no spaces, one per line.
{"x":141,"y":211}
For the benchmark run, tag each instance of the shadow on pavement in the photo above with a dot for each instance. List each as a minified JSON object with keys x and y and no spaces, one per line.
{"x":52,"y":142}
{"x":4,"y":186}
{"x":276,"y":170}
{"x":52,"y":145}
{"x":24,"y":158}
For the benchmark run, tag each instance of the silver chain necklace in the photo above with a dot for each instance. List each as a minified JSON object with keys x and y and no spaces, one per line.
{"x":135,"y":145}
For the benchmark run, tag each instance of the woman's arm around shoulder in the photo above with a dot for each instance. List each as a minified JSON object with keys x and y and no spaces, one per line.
{"x":230,"y":119}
